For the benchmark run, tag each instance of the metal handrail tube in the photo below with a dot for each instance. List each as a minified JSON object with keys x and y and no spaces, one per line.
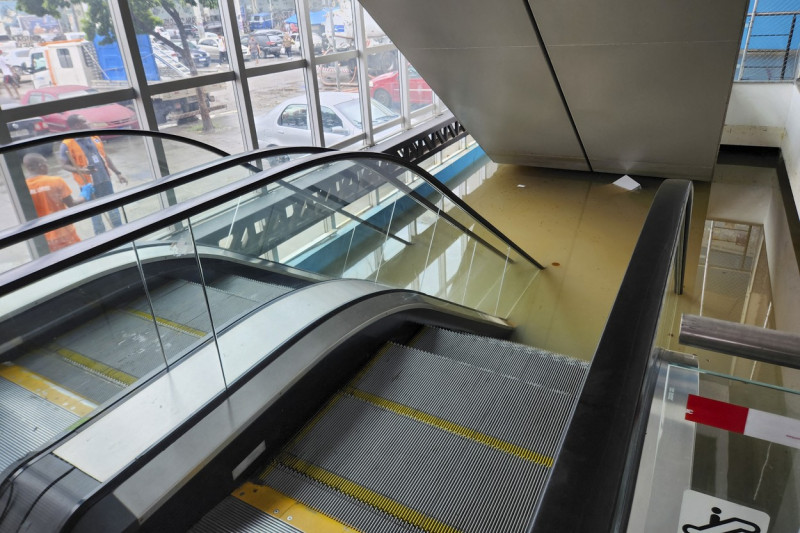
{"x":592,"y":483}
{"x":741,"y":340}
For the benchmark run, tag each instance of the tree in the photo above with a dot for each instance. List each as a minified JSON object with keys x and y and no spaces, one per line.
{"x":98,"y":22}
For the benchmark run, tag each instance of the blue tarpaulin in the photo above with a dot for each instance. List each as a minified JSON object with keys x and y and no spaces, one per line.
{"x":317,"y":17}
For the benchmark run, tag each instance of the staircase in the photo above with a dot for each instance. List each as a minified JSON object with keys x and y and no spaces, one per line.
{"x":50,"y":386}
{"x":453,"y":432}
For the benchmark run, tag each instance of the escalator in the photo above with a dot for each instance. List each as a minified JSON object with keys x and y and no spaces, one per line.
{"x":425,"y":436}
{"x":89,"y":356}
{"x":320,"y":341}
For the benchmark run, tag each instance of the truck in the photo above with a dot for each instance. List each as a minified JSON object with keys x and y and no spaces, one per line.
{"x":96,"y":65}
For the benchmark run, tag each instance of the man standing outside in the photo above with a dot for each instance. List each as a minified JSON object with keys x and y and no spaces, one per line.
{"x":86,"y":158}
{"x":9,"y":80}
{"x":51,"y":194}
{"x":287,"y":44}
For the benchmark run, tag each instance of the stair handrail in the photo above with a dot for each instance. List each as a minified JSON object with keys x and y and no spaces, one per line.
{"x":593,"y":479}
{"x":741,"y":340}
{"x":80,"y":251}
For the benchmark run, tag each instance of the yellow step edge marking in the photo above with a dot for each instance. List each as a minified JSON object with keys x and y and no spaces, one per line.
{"x":303,"y":432}
{"x":96,"y":367}
{"x":167,"y":323}
{"x":365,"y":495}
{"x":48,"y":390}
{"x":336,"y":397}
{"x":456,"y":429}
{"x":288,"y":510}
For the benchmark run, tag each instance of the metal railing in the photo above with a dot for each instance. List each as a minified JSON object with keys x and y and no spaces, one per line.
{"x":741,"y":340}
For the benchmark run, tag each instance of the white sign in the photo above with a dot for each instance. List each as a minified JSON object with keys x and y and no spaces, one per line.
{"x":701,"y":512}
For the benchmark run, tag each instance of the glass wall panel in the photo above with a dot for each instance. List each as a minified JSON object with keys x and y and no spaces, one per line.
{"x":334,"y":24}
{"x":48,"y":52}
{"x":375,"y":34}
{"x":267,"y":46}
{"x":280,"y":109}
{"x":340,"y":102}
{"x":210,"y":117}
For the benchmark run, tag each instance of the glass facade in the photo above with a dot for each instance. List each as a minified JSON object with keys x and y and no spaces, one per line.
{"x":209,"y":73}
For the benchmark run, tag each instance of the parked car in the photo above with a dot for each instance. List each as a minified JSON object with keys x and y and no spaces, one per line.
{"x":29,"y":128}
{"x":210,"y":45}
{"x":270,"y":41}
{"x":18,"y":59}
{"x":199,"y":56}
{"x":386,"y":89}
{"x":287,"y":123}
{"x":109,"y":116}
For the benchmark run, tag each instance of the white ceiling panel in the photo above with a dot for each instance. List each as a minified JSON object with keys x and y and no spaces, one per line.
{"x":640,"y":85}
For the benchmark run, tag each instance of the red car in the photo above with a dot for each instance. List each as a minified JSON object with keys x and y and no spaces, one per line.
{"x":386,"y":89}
{"x":109,"y":116}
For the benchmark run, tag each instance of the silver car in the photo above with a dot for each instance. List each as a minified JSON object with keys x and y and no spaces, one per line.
{"x":287,"y":123}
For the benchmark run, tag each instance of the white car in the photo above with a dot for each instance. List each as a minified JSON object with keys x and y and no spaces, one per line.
{"x":287,"y":123}
{"x":18,"y":59}
{"x":210,"y":45}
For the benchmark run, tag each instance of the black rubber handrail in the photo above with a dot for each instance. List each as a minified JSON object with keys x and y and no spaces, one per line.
{"x":101,"y":205}
{"x":591,"y":485}
{"x":98,"y":206}
{"x":74,"y":254}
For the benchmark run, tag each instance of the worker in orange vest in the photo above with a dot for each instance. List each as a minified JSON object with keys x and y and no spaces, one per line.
{"x":88,"y":161}
{"x":51,"y":194}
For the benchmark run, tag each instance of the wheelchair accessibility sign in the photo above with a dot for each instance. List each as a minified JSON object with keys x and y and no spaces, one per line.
{"x":703,"y":513}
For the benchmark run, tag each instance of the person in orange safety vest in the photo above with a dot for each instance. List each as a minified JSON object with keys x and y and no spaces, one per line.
{"x":88,"y":161}
{"x":51,"y":194}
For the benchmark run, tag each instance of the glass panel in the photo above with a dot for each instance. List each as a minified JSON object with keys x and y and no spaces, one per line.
{"x":280,"y":109}
{"x":375,"y":34}
{"x":727,"y":446}
{"x":117,"y":116}
{"x":340,"y":104}
{"x":266,"y":46}
{"x":72,"y":344}
{"x":177,"y":298}
{"x":50,"y":51}
{"x":207,"y":114}
{"x":384,"y":83}
{"x":334,"y":24}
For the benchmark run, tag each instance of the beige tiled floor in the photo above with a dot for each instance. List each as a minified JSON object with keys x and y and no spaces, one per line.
{"x":583,"y":229}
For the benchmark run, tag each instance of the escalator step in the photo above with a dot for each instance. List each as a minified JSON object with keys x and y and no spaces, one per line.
{"x":76,"y":373}
{"x":529,"y":364}
{"x":335,"y":503}
{"x":232,"y":514}
{"x":257,"y":291}
{"x":421,"y":474}
{"x":124,"y":341}
{"x":467,"y":399}
{"x":28,"y":421}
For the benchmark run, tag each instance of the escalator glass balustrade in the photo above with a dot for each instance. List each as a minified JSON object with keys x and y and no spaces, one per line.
{"x":86,"y":325}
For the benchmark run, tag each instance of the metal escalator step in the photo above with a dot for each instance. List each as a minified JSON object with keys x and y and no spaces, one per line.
{"x":183,"y":305}
{"x":335,"y":503}
{"x":257,"y":291}
{"x":425,"y":475}
{"x":28,"y":421}
{"x":70,"y":373}
{"x":233,"y":515}
{"x":527,"y":363}
{"x":466,"y":398}
{"x":123,"y":341}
